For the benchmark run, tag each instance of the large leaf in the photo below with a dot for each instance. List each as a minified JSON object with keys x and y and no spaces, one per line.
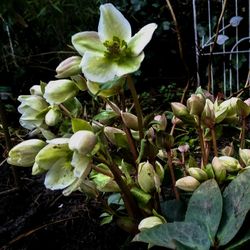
{"x":80,"y":124}
{"x":205,"y":208}
{"x":173,"y":210}
{"x":236,"y":204}
{"x":176,"y":235}
{"x":239,"y":243}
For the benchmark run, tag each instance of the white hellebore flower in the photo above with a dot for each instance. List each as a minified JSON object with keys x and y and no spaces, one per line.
{"x":111,"y":52}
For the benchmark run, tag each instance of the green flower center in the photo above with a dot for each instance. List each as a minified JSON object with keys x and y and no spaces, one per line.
{"x":116,"y":48}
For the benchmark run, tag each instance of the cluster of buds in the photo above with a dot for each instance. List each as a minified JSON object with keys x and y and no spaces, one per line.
{"x":221,"y":169}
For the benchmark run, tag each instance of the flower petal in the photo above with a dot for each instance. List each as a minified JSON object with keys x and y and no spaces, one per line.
{"x":87,"y":41}
{"x":141,"y":38}
{"x":97,"y":68}
{"x":129,"y":65}
{"x":113,"y":23}
{"x":81,"y":165}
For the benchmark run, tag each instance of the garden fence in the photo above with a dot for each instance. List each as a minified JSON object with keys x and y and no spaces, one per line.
{"x":231,"y":56}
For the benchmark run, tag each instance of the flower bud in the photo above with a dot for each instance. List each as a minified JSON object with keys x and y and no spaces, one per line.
{"x":196,"y":104}
{"x":228,"y":150}
{"x":161,"y":122}
{"x":183,"y":148}
{"x":181,"y":111}
{"x":209,"y":170}
{"x":69,"y":67}
{"x":130,"y":120}
{"x":231,"y":164}
{"x":115,"y":136}
{"x":53,"y":117}
{"x":36,"y":90}
{"x":145,"y":177}
{"x":208,"y":114}
{"x":198,"y":174}
{"x":83,"y":142}
{"x":24,"y":153}
{"x":245,"y":156}
{"x":59,"y":91}
{"x":187,"y":183}
{"x":242,"y":109}
{"x":159,"y":171}
{"x":219,"y":170}
{"x":149,"y":222}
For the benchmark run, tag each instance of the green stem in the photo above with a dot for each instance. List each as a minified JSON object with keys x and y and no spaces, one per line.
{"x":214,"y":141}
{"x":137,"y":106}
{"x":171,"y":169}
{"x":200,"y":133}
{"x":8,"y":141}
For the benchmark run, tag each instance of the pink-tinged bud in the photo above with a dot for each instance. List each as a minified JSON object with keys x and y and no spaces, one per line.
{"x":196,"y":104}
{"x":83,"y":141}
{"x":130,"y":120}
{"x":187,"y":183}
{"x":198,"y":174}
{"x":69,"y":67}
{"x":161,"y":122}
{"x":247,"y":101}
{"x":183,"y":148}
{"x":220,"y":171}
{"x":181,"y":111}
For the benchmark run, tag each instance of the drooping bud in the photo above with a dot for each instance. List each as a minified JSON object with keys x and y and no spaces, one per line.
{"x":198,"y":174}
{"x":149,"y":222}
{"x":69,"y":67}
{"x":220,"y":171}
{"x":24,"y":153}
{"x":161,"y":122}
{"x":83,"y":141}
{"x":242,"y":109}
{"x":53,"y":116}
{"x":187,"y":183}
{"x":145,"y":177}
{"x":245,"y":156}
{"x":196,"y":104}
{"x":231,"y":164}
{"x":59,"y":91}
{"x":159,"y":170}
{"x":181,"y":111}
{"x":130,"y":120}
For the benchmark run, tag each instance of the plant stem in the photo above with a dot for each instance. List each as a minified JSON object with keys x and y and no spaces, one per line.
{"x":137,"y":106}
{"x":202,"y":145}
{"x":243,"y":133}
{"x":171,"y":169}
{"x":8,"y":141}
{"x":214,"y":141}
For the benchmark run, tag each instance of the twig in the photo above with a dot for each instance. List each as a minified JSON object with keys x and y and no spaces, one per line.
{"x":8,"y":191}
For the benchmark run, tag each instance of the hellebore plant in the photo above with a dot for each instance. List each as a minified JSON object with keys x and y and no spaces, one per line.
{"x":129,"y":162}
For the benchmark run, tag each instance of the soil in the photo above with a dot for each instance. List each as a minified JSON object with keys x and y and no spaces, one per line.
{"x":37,"y":218}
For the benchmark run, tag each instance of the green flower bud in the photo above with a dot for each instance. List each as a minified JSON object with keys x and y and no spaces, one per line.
{"x":59,"y":91}
{"x":32,"y":108}
{"x":24,"y":153}
{"x":208,"y":114}
{"x":83,"y":142}
{"x":36,"y":90}
{"x":130,"y":120}
{"x":53,"y":117}
{"x":198,"y":174}
{"x":219,"y":170}
{"x":69,"y":67}
{"x":181,"y":112}
{"x":209,"y":170}
{"x":245,"y":156}
{"x":149,"y":222}
{"x":242,"y":109}
{"x":146,"y":174}
{"x":196,"y":104}
{"x":159,"y":170}
{"x":231,"y":164}
{"x":187,"y":183}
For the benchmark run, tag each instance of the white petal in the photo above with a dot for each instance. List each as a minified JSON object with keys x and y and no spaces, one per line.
{"x":81,"y":165}
{"x":129,"y":65}
{"x":141,"y":38}
{"x":59,"y":176}
{"x":97,"y":68}
{"x":113,"y":23}
{"x":87,"y":41}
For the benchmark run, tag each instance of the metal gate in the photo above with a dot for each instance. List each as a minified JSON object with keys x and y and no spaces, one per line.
{"x":230,"y":64}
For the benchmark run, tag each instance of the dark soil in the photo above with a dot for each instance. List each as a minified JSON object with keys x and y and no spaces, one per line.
{"x":37,"y":218}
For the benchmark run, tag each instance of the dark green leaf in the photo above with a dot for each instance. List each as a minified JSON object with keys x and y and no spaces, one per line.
{"x":173,"y":210}
{"x":236,"y":204}
{"x":175,"y":235}
{"x":237,"y":244}
{"x":205,"y":208}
